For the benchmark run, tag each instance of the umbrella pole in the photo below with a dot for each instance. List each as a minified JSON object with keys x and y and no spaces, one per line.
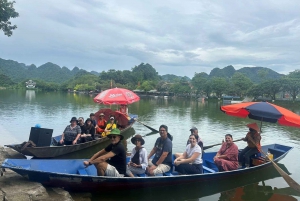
{"x":261,"y":124}
{"x":289,"y":180}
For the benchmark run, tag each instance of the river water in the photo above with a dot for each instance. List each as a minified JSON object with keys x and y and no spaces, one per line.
{"x":21,"y":110}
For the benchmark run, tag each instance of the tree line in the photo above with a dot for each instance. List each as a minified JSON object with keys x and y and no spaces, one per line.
{"x":145,"y":78}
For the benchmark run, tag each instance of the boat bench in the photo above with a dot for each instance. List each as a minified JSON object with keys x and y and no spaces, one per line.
{"x":211,"y":165}
{"x":206,"y":169}
{"x":82,"y":171}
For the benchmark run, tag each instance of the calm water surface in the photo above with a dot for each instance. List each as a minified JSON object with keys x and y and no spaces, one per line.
{"x":20,"y":110}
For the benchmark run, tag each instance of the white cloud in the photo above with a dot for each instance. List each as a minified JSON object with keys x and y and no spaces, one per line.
{"x":175,"y":37}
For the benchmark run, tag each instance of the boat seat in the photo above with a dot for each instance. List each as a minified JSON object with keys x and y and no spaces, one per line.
{"x":82,"y":171}
{"x":141,"y":175}
{"x":206,"y":169}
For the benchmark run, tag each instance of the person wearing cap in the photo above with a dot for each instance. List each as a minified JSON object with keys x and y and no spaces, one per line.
{"x":92,"y":116}
{"x":162,"y":161}
{"x":226,"y":158}
{"x":190,"y":162}
{"x":89,"y":133}
{"x":252,"y":148}
{"x":71,"y":133}
{"x":101,"y":124}
{"x":139,"y":157}
{"x":110,"y":161}
{"x":111,"y":125}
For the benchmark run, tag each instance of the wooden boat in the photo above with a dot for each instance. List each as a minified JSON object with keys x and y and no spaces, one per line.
{"x":82,"y":150}
{"x":71,"y":174}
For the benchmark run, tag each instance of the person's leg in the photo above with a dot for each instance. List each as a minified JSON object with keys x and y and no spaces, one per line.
{"x":242,"y":156}
{"x":248,"y":154}
{"x":161,"y":168}
{"x":101,"y":168}
{"x":128,"y":171}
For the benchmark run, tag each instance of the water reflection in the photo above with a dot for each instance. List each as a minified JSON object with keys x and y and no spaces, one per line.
{"x":30,"y":94}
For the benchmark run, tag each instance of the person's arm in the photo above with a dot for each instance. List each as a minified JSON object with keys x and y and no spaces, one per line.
{"x":77,"y":137}
{"x":108,"y":128}
{"x":62,"y":138}
{"x":153,"y":151}
{"x":189,"y":160}
{"x":182,"y":156}
{"x":103,"y":158}
{"x":96,"y":155}
{"x":144,"y":162}
{"x":162,"y":158}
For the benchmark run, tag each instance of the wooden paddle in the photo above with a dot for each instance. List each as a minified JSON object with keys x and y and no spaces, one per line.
{"x":152,"y":129}
{"x":291,"y":182}
{"x":210,"y":146}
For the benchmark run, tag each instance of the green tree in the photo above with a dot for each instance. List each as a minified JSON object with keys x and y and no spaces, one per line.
{"x":255,"y":91}
{"x":271,"y":88}
{"x":291,"y":83}
{"x":198,"y":82}
{"x":219,"y":86}
{"x":241,"y":83}
{"x":144,"y":72}
{"x":7,"y":11}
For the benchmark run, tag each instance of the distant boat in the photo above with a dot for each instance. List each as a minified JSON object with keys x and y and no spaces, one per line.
{"x":30,"y":84}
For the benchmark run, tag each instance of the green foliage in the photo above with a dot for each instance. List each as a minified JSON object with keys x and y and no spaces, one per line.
{"x":181,"y":87}
{"x":5,"y":81}
{"x":82,"y":81}
{"x":7,"y":11}
{"x":198,"y":82}
{"x":147,"y":85}
{"x":241,"y":83}
{"x":46,"y":86}
{"x":174,"y":78}
{"x":271,"y":88}
{"x":144,"y":72}
{"x":219,"y":86}
{"x":255,"y":91}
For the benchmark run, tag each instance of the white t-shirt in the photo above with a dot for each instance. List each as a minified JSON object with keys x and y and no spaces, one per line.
{"x":191,"y":150}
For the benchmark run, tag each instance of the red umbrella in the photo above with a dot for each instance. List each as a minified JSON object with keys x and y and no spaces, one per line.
{"x":263,"y":111}
{"x":106,"y":111}
{"x":116,"y":96}
{"x":121,"y":118}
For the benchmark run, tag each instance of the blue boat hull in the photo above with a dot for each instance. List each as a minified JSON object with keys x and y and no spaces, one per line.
{"x":66,"y":174}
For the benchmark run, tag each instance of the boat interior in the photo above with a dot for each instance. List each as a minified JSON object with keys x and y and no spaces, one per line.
{"x":76,"y":167}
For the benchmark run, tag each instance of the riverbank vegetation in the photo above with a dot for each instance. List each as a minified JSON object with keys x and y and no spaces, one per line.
{"x":254,"y":82}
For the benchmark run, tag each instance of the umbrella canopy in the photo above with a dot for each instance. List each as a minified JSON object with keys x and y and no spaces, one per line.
{"x":116,"y":96}
{"x":106,"y":111}
{"x":263,"y":111}
{"x":120,"y":118}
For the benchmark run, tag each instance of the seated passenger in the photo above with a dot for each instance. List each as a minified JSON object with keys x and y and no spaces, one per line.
{"x":139,"y":157}
{"x":194,"y":131}
{"x":89,"y":134}
{"x":124,"y":109}
{"x":227,"y":157}
{"x":101,"y":124}
{"x":71,"y":133}
{"x":190,"y":162}
{"x":252,"y":148}
{"x":111,"y":125}
{"x":115,"y":152}
{"x":81,"y":124}
{"x":92,"y":116}
{"x":162,"y":149}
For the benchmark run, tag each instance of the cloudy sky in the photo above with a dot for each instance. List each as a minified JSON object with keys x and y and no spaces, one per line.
{"x":175,"y":37}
